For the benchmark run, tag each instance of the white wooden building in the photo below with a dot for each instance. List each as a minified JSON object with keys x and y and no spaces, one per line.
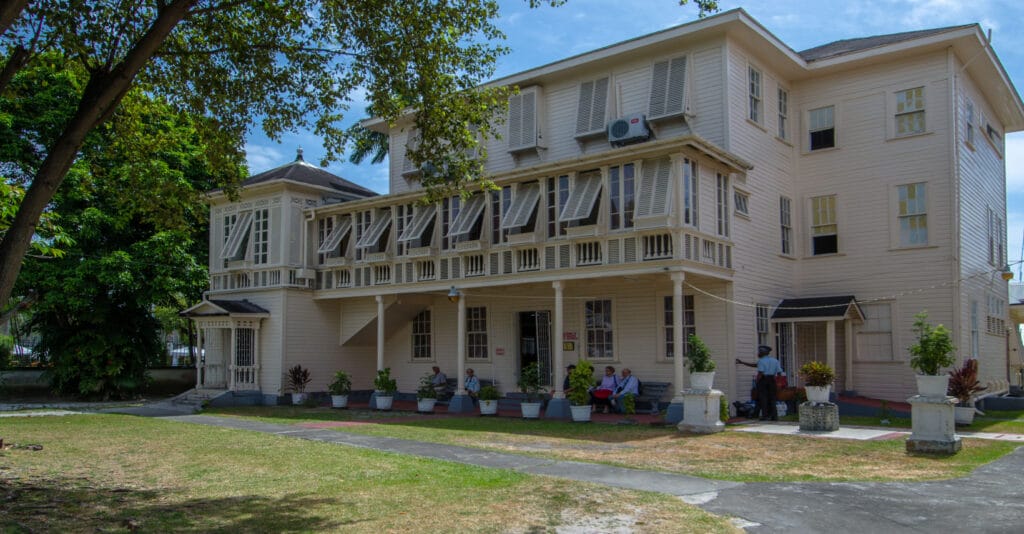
{"x":705,"y":178}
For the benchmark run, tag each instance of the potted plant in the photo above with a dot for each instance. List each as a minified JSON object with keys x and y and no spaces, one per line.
{"x":964,"y":384}
{"x":298,"y":378}
{"x":702,"y":367}
{"x":529,"y":385}
{"x":818,"y":378}
{"x":580,"y":381}
{"x":932,"y":352}
{"x":489,"y":400}
{"x":385,"y":387}
{"x":426,"y":395}
{"x":339,"y":389}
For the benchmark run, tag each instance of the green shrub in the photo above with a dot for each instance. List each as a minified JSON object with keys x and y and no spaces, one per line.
{"x":530,"y":382}
{"x":489,"y":393}
{"x":629,"y":404}
{"x":426,"y":388}
{"x":580,"y":380}
{"x":383,"y":383}
{"x":298,"y":378}
{"x":699,"y":357}
{"x":934,"y":347}
{"x":342,"y":384}
{"x":817,"y":374}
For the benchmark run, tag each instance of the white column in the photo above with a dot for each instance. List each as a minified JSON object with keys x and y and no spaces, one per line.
{"x":848,"y":330}
{"x":231,"y":358}
{"x":460,"y":344}
{"x":677,"y":332}
{"x":557,"y":342}
{"x":256,"y":356}
{"x":199,"y":355}
{"x":830,"y":344}
{"x":380,"y":332}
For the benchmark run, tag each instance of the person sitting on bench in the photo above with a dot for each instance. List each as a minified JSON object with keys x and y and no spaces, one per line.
{"x":600,"y":394}
{"x":628,"y":385}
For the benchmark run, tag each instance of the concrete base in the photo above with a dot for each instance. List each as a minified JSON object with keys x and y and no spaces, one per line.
{"x":461,"y":404}
{"x":674,"y":412}
{"x":819,"y":416}
{"x":701,"y":409}
{"x":933,"y":428}
{"x":557,"y":409}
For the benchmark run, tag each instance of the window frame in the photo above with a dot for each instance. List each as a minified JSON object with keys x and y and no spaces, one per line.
{"x":667,"y":326}
{"x":819,"y":222}
{"x":723,"y":215}
{"x":783,"y":109}
{"x":811,"y":130}
{"x":969,"y":122}
{"x":622,"y":198}
{"x":755,"y":100}
{"x":900,"y":111}
{"x":786,"y":225}
{"x":591,"y":130}
{"x":476,"y":338}
{"x":740,"y":202}
{"x":424,"y":339}
{"x":690,"y":215}
{"x":762,"y":324}
{"x":608,"y":332}
{"x":919,"y":189}
{"x":871,"y":317}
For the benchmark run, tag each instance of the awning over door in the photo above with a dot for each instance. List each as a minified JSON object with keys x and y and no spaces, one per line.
{"x":220,"y":307}
{"x":818,"y":309}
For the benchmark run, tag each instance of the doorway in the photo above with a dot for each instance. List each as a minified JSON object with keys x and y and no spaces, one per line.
{"x":535,"y":342}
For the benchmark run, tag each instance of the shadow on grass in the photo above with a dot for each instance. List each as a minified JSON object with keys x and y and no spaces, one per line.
{"x":76,"y":505}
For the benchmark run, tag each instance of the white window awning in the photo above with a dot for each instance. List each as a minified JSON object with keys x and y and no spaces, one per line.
{"x":381,"y":222}
{"x":581,"y":197}
{"x":334,"y":238}
{"x":524,"y":203}
{"x":463,"y":223}
{"x":421,"y":219}
{"x":655,"y":192}
{"x":239,"y":231}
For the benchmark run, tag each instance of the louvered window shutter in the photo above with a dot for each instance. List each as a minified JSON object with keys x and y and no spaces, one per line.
{"x":583,"y":110}
{"x":515,"y":121}
{"x":523,"y":205}
{"x":668,"y":88}
{"x":659,"y":87}
{"x":581,"y":198}
{"x":597,"y":112}
{"x":239,"y":231}
{"x":412,"y":143}
{"x":655,"y":188}
{"x":333,"y":239}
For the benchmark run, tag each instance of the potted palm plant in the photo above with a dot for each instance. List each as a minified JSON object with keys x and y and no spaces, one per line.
{"x":529,"y":385}
{"x":339,"y":389}
{"x":580,"y":381}
{"x":297,"y":379}
{"x":964,"y":384}
{"x":702,"y":367}
{"x":489,"y":400}
{"x":426,"y":395}
{"x":818,"y":378}
{"x":385,"y":387}
{"x":932,"y":351}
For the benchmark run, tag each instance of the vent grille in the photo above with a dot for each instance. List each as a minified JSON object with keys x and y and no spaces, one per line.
{"x":614,"y":256}
{"x":629,"y":244}
{"x":506,"y":261}
{"x":444,"y":268}
{"x":494,"y":263}
{"x":549,"y":257}
{"x":564,"y":258}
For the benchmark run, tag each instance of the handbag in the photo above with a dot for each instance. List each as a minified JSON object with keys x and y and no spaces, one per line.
{"x":602,"y":393}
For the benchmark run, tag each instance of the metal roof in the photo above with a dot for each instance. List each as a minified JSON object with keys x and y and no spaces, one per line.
{"x":808,"y":308}
{"x":847,"y":46}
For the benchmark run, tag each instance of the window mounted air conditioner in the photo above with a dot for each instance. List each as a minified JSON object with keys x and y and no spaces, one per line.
{"x":628,"y":130}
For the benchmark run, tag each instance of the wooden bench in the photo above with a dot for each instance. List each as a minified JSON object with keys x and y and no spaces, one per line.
{"x":452,"y":384}
{"x":652,"y":394}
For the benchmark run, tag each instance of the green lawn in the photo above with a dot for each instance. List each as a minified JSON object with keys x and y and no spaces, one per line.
{"x":737,"y":456}
{"x":115,"y":473}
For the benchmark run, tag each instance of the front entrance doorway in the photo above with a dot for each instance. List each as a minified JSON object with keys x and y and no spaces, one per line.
{"x":535,"y":342}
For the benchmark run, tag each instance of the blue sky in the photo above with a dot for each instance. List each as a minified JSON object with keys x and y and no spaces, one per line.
{"x":540,"y":36}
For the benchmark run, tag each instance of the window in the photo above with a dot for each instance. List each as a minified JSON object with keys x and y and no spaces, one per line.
{"x":598,"y":321}
{"x":476,"y":333}
{"x":522,"y":119}
{"x":229,"y":224}
{"x":421,"y":337}
{"x":237,"y":238}
{"x":558,"y":194}
{"x":969,"y":121}
{"x":910,"y":111}
{"x":668,"y":88}
{"x":449,"y":212}
{"x":786,"y":225}
{"x":690,"y":193}
{"x":331,"y":233}
{"x":420,"y":229}
{"x":622,"y":204}
{"x":995,"y":138}
{"x":582,"y":206}
{"x":520,"y":215}
{"x":245,"y":348}
{"x":261,"y":237}
{"x":824,"y":230}
{"x":761,"y":314}
{"x":593,"y":103}
{"x":740,"y":200}
{"x":874,"y":340}
{"x":975,"y":336}
{"x":996,"y":233}
{"x":655,"y":193}
{"x":783,"y":114}
{"x":363,"y":220}
{"x":822,"y":128}
{"x":995,"y":323}
{"x":466,"y":226}
{"x":912,"y":216}
{"x":689,"y":325}
{"x":413,"y":140}
{"x":403,"y":221}
{"x":375,"y":239}
{"x":500,"y":202}
{"x":722,"y":205}
{"x":754,"y":81}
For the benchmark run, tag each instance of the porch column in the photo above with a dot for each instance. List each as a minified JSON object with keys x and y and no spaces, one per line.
{"x":848,"y":381}
{"x":380,"y":332}
{"x":558,"y":406}
{"x":460,"y":402}
{"x":256,"y":356}
{"x":675,"y":410}
{"x":231,"y":358}
{"x":200,"y":360}
{"x":830,"y":343}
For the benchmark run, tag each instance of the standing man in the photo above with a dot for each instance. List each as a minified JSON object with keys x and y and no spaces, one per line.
{"x":767,"y":367}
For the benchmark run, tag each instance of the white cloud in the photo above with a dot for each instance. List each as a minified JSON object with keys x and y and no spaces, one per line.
{"x":1015,"y":163}
{"x":261,"y":156}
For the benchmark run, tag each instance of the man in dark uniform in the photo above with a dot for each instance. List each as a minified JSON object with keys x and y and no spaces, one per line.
{"x":767,"y":367}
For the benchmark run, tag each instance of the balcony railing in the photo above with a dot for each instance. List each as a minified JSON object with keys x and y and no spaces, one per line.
{"x":279,"y":277}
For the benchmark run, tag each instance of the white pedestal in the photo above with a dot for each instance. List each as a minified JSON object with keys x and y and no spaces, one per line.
{"x":932,"y":425}
{"x":701,"y":410}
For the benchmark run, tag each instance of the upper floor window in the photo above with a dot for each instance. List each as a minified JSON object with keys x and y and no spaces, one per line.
{"x":786,"y":224}
{"x":995,"y":138}
{"x":655,"y":195}
{"x":582,"y":206}
{"x":332,"y":236}
{"x":229,"y":226}
{"x":668,"y":88}
{"x":910,"y":111}
{"x":689,"y":324}
{"x":912,"y":214}
{"x":412,"y":142}
{"x":969,"y":121}
{"x":375,"y":238}
{"x":822,"y":128}
{"x":597,"y":315}
{"x":622,"y":201}
{"x":363,"y":220}
{"x":419,"y":230}
{"x":476,"y":333}
{"x":261,"y":237}
{"x":523,"y":117}
{"x":722,"y":205}
{"x":421,"y":336}
{"x":740,"y":199}
{"x":995,"y":232}
{"x":824,"y":229}
{"x":761,"y":313}
{"x":783,"y":114}
{"x":466,"y":226}
{"x":520,"y":215}
{"x":500,"y":202}
{"x":995,"y":321}
{"x":403,"y":218}
{"x":690,"y":193}
{"x":754,"y":82}
{"x":557,"y":196}
{"x":450,"y":208}
{"x":592,"y":106}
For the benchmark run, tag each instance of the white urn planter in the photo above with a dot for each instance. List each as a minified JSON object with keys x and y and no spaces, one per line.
{"x":339,"y":401}
{"x":298,"y":398}
{"x":488,"y":407}
{"x":963,"y":415}
{"x":818,"y":394}
{"x":932,"y":385}
{"x":702,"y":381}
{"x":580,"y":414}
{"x":384,"y":401}
{"x":531,"y":410}
{"x":425,"y":405}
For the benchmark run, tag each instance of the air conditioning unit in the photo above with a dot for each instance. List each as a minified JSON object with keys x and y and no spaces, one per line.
{"x":628,"y":130}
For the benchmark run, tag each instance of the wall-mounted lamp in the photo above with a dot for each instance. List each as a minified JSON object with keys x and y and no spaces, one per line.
{"x":1007,"y":274}
{"x":454,"y":295}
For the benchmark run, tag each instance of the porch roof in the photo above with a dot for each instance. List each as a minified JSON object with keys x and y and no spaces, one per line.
{"x":219,"y":307}
{"x":819,"y":308}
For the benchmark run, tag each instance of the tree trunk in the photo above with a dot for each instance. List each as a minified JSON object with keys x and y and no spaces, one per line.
{"x":9,"y":11}
{"x":99,"y":100}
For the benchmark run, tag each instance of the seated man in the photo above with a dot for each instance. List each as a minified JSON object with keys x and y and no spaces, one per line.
{"x":472,"y":384}
{"x":439,"y":381}
{"x":600,"y":394}
{"x":628,"y":385}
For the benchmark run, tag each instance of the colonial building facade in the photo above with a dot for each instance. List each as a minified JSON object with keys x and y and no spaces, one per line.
{"x":703,"y":179}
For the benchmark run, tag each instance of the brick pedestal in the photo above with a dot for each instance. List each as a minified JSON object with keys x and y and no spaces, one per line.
{"x":819,"y":416}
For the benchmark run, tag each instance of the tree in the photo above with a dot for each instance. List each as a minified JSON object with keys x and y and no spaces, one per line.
{"x":293,"y":64}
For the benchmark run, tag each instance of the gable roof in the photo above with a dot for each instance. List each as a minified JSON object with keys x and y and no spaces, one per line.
{"x":221,"y":307}
{"x":848,"y":46}
{"x":818,"y":308}
{"x":304,"y":173}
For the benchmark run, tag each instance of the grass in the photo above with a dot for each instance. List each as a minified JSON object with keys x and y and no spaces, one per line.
{"x":116,"y":473}
{"x":739,"y":456}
